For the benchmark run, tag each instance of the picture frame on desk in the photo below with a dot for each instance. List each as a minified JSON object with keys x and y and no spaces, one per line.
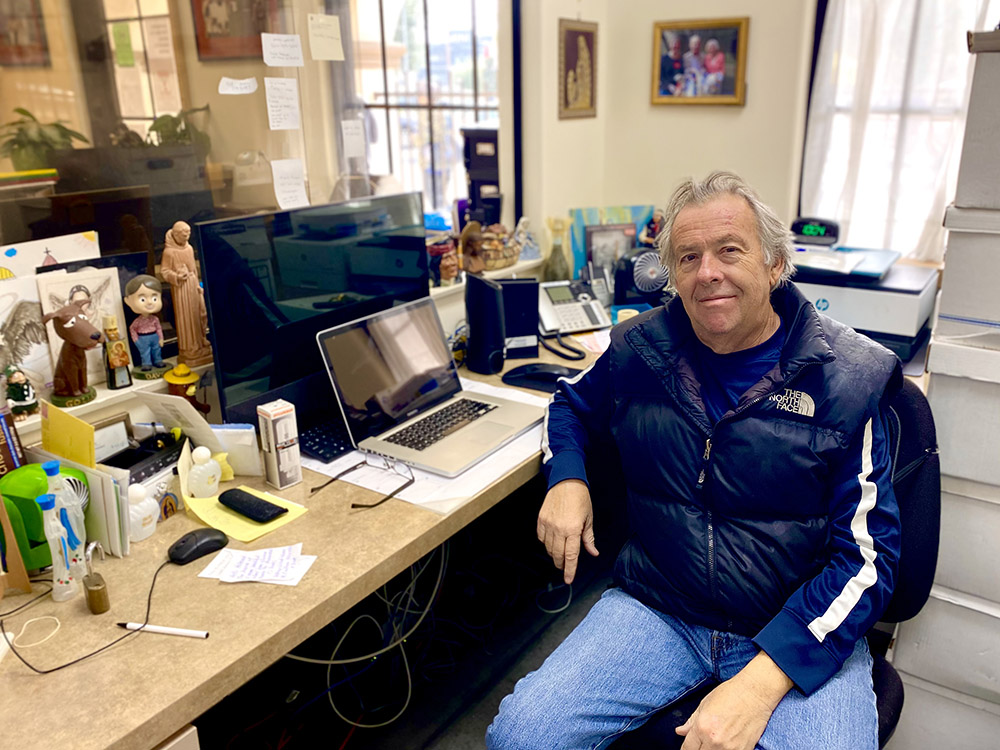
{"x":231,"y":29}
{"x":700,"y":62}
{"x":112,"y":435}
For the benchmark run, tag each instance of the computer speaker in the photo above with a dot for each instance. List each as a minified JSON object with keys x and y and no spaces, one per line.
{"x":484,"y":313}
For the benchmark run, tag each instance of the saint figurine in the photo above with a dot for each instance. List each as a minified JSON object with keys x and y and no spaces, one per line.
{"x":116,"y":358}
{"x":179,"y":269}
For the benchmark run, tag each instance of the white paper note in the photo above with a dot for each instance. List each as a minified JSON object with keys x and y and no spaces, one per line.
{"x":282,"y":50}
{"x":354,"y":138}
{"x":289,"y":183}
{"x":237,"y":86}
{"x":280,"y":565}
{"x":324,"y":37}
{"x":282,"y":103}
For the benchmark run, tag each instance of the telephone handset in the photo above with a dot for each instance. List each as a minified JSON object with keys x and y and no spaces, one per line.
{"x":569,"y":307}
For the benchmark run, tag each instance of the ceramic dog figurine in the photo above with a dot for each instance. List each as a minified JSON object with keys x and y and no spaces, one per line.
{"x":70,"y":381}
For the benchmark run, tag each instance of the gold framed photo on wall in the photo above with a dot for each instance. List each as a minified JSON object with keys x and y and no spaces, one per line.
{"x":700,"y":62}
{"x":577,"y":69}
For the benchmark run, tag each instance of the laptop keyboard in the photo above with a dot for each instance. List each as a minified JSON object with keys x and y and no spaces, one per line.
{"x":440,"y":424}
{"x":325,"y":441}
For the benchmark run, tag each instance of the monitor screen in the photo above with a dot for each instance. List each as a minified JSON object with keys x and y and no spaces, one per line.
{"x":120,"y":216}
{"x":273,"y":281}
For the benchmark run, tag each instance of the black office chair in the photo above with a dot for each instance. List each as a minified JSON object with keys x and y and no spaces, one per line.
{"x":916,"y":478}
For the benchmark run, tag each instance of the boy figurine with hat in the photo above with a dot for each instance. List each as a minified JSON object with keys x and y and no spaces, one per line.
{"x":144,"y":296}
{"x":20,"y":394}
{"x":182,"y":382}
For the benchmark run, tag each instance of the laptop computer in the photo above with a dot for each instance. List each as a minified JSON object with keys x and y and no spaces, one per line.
{"x":401,"y":398}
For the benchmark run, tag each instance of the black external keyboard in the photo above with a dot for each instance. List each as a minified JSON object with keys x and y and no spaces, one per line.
{"x":325,"y":441}
{"x":440,"y":424}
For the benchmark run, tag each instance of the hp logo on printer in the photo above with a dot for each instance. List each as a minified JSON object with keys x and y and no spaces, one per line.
{"x":822,"y":304}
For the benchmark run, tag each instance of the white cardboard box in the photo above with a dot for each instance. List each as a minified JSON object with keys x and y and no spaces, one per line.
{"x":969,"y":307}
{"x":964,"y":394}
{"x":969,"y":556}
{"x":954,"y":642}
{"x":279,"y":439}
{"x":978,"y":185}
{"x":935,"y":718}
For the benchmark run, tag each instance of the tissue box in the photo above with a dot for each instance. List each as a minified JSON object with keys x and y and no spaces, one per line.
{"x":279,"y":438}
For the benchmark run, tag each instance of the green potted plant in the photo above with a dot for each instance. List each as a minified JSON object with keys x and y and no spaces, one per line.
{"x":29,"y":142}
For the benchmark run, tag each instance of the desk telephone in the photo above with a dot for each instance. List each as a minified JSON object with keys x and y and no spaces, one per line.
{"x":569,"y":307}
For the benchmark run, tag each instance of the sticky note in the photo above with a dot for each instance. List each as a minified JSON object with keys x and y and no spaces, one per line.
{"x":282,"y":50}
{"x":282,"y":103}
{"x":122,"y":35}
{"x":289,"y":183}
{"x":324,"y":37}
{"x":237,"y":86}
{"x":354,"y":138}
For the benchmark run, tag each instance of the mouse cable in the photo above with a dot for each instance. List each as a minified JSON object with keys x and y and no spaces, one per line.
{"x":577,"y":353}
{"x":30,"y":601}
{"x":390,"y":646}
{"x":149,"y":604}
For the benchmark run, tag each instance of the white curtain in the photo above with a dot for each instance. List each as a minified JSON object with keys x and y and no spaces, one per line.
{"x":886,"y":119}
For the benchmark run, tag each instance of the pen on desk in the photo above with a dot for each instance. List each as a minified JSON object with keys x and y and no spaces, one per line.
{"x":163,"y":630}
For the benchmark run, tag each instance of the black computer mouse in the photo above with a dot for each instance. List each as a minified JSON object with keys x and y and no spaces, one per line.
{"x":195,"y":544}
{"x":540,"y":376}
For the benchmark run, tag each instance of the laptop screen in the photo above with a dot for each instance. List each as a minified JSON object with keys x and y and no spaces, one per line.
{"x":389,"y":367}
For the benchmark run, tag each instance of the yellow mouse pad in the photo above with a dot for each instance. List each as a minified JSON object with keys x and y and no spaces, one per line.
{"x":212,"y":513}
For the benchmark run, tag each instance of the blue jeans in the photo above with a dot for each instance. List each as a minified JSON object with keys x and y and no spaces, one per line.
{"x":149,"y":349}
{"x":625,"y":661}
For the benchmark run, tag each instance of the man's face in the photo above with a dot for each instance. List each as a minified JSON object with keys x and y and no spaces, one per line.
{"x":675,"y":49}
{"x":449,"y":266}
{"x":182,"y":232}
{"x":695,"y":45}
{"x":144,"y":301}
{"x":720,"y":274}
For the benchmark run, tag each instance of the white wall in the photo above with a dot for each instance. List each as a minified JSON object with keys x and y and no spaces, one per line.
{"x":634,"y":152}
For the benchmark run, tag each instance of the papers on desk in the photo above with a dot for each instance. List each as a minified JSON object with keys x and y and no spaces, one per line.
{"x":281,"y":565}
{"x":441,"y":494}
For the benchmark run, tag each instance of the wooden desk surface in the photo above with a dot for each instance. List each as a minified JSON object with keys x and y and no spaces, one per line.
{"x":139,"y":692}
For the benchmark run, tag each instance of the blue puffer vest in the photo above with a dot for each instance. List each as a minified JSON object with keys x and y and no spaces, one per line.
{"x":723,"y":535}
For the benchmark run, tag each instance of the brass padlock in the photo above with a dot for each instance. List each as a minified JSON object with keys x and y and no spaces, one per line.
{"x":93,"y":583}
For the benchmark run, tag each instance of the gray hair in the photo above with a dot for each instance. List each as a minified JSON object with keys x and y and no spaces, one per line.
{"x":775,"y":238}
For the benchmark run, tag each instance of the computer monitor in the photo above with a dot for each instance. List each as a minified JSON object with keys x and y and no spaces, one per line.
{"x":121,"y":217}
{"x":273,"y":281}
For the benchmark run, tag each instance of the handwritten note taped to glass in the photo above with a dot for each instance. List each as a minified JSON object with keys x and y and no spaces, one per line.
{"x":289,"y":183}
{"x":324,"y":37}
{"x":237,"y":86}
{"x":282,"y":103}
{"x":282,"y":50}
{"x":354,"y":138}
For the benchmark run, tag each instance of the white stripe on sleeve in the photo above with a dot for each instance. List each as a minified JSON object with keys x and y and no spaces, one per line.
{"x":866,"y":577}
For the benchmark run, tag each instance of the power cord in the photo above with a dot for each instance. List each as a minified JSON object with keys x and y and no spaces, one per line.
{"x":149,"y":604}
{"x":578,"y":354}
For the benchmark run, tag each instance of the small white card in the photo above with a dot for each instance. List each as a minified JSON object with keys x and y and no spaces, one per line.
{"x":282,"y":50}
{"x":282,"y":103}
{"x":289,"y":183}
{"x":237,"y":86}
{"x":324,"y":37}
{"x":354,"y":138}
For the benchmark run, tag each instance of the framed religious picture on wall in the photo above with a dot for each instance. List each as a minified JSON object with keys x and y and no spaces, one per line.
{"x":577,"y":69}
{"x":22,"y":33}
{"x":700,"y":62}
{"x":229,"y":29}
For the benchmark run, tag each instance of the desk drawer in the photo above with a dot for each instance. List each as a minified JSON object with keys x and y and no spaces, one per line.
{"x":969,"y":556}
{"x":954,"y":642}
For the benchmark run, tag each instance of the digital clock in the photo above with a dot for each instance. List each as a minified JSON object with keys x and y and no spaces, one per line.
{"x":815,"y":231}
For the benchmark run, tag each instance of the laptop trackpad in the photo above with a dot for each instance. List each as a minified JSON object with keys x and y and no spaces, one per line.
{"x":484,"y":433}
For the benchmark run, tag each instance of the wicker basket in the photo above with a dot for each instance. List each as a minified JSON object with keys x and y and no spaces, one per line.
{"x":497,"y":252}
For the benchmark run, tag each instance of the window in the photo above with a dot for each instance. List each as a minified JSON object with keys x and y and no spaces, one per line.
{"x":886,"y":119}
{"x":424,"y":69}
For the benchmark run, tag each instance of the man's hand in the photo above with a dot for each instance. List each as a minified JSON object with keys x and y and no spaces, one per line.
{"x":735,"y":714}
{"x":566,"y":518}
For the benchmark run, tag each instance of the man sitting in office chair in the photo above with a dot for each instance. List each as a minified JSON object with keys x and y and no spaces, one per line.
{"x":764,"y":529}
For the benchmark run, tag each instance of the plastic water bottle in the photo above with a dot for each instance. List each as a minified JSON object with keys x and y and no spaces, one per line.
{"x":143,"y":513}
{"x":70,"y":514}
{"x":64,"y":584}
